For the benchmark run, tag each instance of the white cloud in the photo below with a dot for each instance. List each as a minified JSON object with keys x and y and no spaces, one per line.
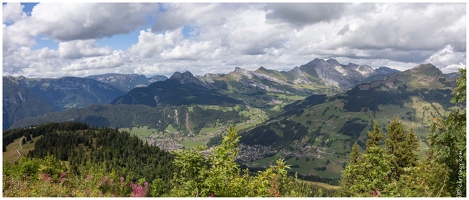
{"x":300,"y":14}
{"x":251,"y":35}
{"x":412,"y":35}
{"x":33,"y":63}
{"x":152,"y":44}
{"x":224,"y":36}
{"x":81,"y":48}
{"x":179,"y":14}
{"x":13,"y":12}
{"x":447,"y":59}
{"x":116,"y":59}
{"x":72,"y":21}
{"x":16,"y":36}
{"x":425,"y":28}
{"x":187,"y":50}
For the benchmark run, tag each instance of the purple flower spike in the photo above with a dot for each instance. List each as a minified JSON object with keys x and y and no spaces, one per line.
{"x":138,"y":192}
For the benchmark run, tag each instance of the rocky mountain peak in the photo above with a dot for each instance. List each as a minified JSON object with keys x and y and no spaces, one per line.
{"x":424,"y":70}
{"x":317,"y":61}
{"x":385,"y":70}
{"x":332,"y":61}
{"x":427,"y":69}
{"x":241,"y":71}
{"x":188,"y":78}
{"x":332,"y":73}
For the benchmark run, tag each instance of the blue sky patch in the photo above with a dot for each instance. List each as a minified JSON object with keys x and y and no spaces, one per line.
{"x":120,"y":41}
{"x":190,"y":32}
{"x":45,"y":41}
{"x":28,"y":7}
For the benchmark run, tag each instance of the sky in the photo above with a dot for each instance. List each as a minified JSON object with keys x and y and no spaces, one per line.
{"x":50,"y":40}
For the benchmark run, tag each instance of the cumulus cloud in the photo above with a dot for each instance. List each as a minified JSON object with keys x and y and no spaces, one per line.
{"x":81,"y":48}
{"x":13,"y":12}
{"x":152,"y":44}
{"x":412,"y":35}
{"x":224,"y":36}
{"x":65,"y":22}
{"x":16,"y":36}
{"x":177,"y":15}
{"x":427,"y":28}
{"x":32,"y":63}
{"x":447,"y":59}
{"x":116,"y":59}
{"x":251,"y":35}
{"x":187,"y":50}
{"x":343,"y":30}
{"x":301,"y":14}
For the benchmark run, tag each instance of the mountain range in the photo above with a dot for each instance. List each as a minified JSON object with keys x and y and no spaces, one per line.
{"x":126,"y":82}
{"x":315,"y":111}
{"x":316,"y":77}
{"x":19,"y":102}
{"x":262,"y":88}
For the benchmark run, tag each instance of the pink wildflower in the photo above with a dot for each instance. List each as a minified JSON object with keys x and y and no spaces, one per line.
{"x":44,"y":177}
{"x":138,"y":192}
{"x":89,"y":177}
{"x":63,"y":174}
{"x":103,"y":181}
{"x":62,"y":180}
{"x":122,"y":181}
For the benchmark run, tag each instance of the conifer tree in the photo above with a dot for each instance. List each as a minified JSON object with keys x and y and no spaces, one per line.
{"x":412,"y":145}
{"x":375,"y":137}
{"x":448,"y":142}
{"x":354,"y":154}
{"x":370,"y":173}
{"x":402,"y":145}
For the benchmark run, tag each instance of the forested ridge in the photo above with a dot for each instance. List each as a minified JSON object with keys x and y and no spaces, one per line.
{"x":75,"y":160}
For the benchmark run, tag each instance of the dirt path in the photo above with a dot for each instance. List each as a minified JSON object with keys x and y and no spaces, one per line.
{"x":18,"y":151}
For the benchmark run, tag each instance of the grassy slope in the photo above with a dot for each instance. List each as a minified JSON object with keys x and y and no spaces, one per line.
{"x":11,"y":153}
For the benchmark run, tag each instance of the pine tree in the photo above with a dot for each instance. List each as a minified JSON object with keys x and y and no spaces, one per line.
{"x":412,"y":145}
{"x":402,"y":145}
{"x":448,"y":142}
{"x":371,"y":172}
{"x":375,"y":137}
{"x":395,"y":137}
{"x":354,"y":154}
